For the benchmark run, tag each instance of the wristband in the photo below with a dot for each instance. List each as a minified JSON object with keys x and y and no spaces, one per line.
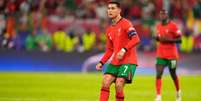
{"x":101,"y":63}
{"x":124,"y":50}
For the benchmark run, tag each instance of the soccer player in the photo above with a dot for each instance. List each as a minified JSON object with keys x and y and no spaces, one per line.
{"x":167,"y":35}
{"x":121,"y":41}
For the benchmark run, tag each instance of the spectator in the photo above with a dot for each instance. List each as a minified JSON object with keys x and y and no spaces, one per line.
{"x":3,"y":23}
{"x":59,"y":39}
{"x":197,"y":41}
{"x":159,"y":6}
{"x":24,"y":6}
{"x":31,"y":43}
{"x":44,"y":41}
{"x":101,"y":11}
{"x":10,"y":27}
{"x":176,"y":10}
{"x":22,"y":33}
{"x":187,"y":42}
{"x":146,"y":42}
{"x":11,"y":7}
{"x":71,"y":41}
{"x":90,"y":11}
{"x":2,"y":6}
{"x":135,"y":11}
{"x":51,"y":6}
{"x":89,"y":39}
{"x":197,"y":10}
{"x":148,"y":9}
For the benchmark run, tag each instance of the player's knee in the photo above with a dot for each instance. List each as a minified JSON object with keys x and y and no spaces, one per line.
{"x":174,"y":76}
{"x":106,"y":83}
{"x":159,"y":75}
{"x":119,"y":83}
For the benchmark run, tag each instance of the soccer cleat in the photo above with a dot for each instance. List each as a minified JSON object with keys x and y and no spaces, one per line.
{"x":178,"y":96}
{"x":158,"y":98}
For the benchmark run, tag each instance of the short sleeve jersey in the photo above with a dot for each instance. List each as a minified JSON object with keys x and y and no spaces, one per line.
{"x":168,"y":50}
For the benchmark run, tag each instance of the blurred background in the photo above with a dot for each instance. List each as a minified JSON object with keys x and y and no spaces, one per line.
{"x":49,"y":48}
{"x":69,"y":35}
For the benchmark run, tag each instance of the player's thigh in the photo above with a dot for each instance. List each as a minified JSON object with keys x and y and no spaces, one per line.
{"x":108,"y":79}
{"x":119,"y":84}
{"x":160,"y":65}
{"x":160,"y":68}
{"x":110,"y":74}
{"x":172,"y":68}
{"x":172,"y":64}
{"x":127,"y":72}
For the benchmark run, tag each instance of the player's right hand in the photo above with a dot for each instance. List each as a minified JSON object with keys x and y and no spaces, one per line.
{"x":164,"y":38}
{"x":99,"y":66}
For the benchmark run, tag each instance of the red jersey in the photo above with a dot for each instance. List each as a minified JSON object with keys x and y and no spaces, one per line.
{"x":168,"y":50}
{"x":118,"y":38}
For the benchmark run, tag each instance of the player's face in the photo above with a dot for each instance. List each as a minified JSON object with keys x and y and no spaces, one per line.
{"x":163,"y":15}
{"x":113,"y":11}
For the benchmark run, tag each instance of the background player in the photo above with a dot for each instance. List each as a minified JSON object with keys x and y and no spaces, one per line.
{"x":168,"y":35}
{"x":121,"y":41}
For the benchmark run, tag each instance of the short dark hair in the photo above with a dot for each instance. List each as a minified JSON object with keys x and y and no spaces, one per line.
{"x":116,"y":3}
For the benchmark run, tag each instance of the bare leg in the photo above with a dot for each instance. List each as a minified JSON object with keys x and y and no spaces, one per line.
{"x":108,"y":79}
{"x":119,"y":85}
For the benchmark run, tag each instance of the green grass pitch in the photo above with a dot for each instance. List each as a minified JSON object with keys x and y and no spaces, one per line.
{"x":65,"y":86}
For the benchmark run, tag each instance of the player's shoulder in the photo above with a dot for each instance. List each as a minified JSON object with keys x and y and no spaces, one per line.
{"x":173,"y":24}
{"x":108,"y":28}
{"x":158,"y":24}
{"x":126,"y":21}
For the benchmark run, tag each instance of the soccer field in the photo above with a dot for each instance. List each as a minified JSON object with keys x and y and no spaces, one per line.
{"x":65,"y":86}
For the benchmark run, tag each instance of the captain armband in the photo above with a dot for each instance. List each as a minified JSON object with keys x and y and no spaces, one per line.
{"x":132,"y":33}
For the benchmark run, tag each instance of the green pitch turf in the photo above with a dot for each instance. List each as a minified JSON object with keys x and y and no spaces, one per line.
{"x":40,"y":86}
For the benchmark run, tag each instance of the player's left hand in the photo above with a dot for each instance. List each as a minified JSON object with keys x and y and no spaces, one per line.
{"x":120,"y":54}
{"x":99,"y":66}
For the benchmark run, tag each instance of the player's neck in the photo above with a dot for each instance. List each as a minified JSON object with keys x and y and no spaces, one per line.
{"x":165,"y":22}
{"x":116,"y":20}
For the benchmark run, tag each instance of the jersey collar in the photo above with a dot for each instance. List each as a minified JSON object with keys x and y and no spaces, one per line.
{"x":117,"y":21}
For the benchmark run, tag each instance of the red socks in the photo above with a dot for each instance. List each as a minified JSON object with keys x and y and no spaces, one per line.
{"x":159,"y":83}
{"x":120,"y":96}
{"x":158,"y":86}
{"x":104,"y":95}
{"x":176,"y":83}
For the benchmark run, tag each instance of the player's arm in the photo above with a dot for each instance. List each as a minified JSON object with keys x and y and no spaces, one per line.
{"x":155,"y":38}
{"x":133,"y":41}
{"x":169,"y":40}
{"x":132,"y":35}
{"x":108,"y":53}
{"x":165,"y":39}
{"x":176,"y":33}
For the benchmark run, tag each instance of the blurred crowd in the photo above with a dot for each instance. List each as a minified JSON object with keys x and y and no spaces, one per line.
{"x":79,"y":25}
